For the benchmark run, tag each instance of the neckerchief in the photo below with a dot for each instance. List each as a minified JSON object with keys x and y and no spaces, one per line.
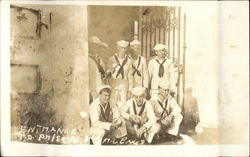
{"x":100,"y":68}
{"x":105,"y":112}
{"x":163,"y":107}
{"x":121,"y":69}
{"x":161,"y":68}
{"x":136,"y":71}
{"x":142,"y":108}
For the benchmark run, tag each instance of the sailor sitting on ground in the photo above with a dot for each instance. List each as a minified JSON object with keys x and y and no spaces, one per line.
{"x":167,"y":111}
{"x":104,"y":117}
{"x":139,"y":115}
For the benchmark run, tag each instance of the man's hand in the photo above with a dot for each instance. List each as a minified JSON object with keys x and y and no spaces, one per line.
{"x":115,"y":124}
{"x":129,"y":95}
{"x":108,"y":75}
{"x":144,"y":120}
{"x":136,"y":119}
{"x":172,"y":93}
{"x":141,"y":131}
{"x":167,"y":120}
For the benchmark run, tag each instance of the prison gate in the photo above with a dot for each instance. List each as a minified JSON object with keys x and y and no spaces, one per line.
{"x":165,"y":25}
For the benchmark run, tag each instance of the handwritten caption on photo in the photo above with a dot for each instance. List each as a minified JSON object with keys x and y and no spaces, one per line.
{"x":50,"y":135}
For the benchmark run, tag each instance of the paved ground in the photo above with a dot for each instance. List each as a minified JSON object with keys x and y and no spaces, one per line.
{"x":208,"y":137}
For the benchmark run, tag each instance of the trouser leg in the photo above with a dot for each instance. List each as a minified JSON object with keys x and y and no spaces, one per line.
{"x":121,"y":131}
{"x":119,"y":97}
{"x":123,"y":96}
{"x":151,"y":132}
{"x":130,"y":129}
{"x":96,"y":135}
{"x":176,"y":124}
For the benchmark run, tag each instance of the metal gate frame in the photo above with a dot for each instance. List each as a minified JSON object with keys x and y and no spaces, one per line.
{"x":165,"y":25}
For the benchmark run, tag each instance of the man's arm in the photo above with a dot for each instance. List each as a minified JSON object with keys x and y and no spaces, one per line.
{"x":150,"y":115}
{"x":94,"y":113}
{"x":115,"y":110}
{"x":172,"y":77}
{"x":109,"y":64}
{"x":102,"y":64}
{"x":176,"y":110}
{"x":145,"y":73}
{"x":150,"y":69}
{"x":125,"y":111}
{"x":154,"y":106}
{"x":130,"y":75}
{"x":150,"y":72}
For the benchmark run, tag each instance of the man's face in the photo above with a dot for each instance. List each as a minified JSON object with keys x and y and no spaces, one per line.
{"x":93,"y":47}
{"x":163,"y":92}
{"x":160,"y":53}
{"x":102,"y":50}
{"x":138,"y":100}
{"x":135,"y":50}
{"x":104,"y":97}
{"x":121,"y":50}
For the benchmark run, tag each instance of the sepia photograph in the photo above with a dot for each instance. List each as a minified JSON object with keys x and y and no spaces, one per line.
{"x":126,"y":74}
{"x":137,"y":65}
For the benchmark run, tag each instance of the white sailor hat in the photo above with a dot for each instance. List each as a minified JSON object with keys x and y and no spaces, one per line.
{"x":159,"y":47}
{"x":101,"y":87}
{"x":95,"y":40}
{"x":122,"y":43}
{"x":138,"y":91}
{"x":163,"y":85}
{"x":103,"y":44}
{"x":135,"y":42}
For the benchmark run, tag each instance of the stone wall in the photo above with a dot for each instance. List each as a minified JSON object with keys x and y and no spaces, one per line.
{"x":49,"y":67}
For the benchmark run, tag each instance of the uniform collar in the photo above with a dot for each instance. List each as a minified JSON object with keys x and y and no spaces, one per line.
{"x":136,"y":103}
{"x":169,"y":97}
{"x":120,"y":58}
{"x":98,"y":102}
{"x":157,"y":97}
{"x":156,"y":58}
{"x":129,"y":56}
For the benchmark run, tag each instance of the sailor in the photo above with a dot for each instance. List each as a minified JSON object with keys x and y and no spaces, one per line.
{"x":94,"y":70}
{"x":139,"y":116}
{"x":139,"y":65}
{"x":103,"y":48}
{"x":96,"y":49}
{"x":167,"y":111}
{"x":120,"y":70}
{"x":160,"y":69}
{"x":104,"y":117}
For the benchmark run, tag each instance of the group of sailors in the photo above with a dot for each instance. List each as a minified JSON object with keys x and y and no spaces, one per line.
{"x":118,"y":90}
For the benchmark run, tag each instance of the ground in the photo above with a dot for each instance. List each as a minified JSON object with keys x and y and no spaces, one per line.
{"x":209,"y":136}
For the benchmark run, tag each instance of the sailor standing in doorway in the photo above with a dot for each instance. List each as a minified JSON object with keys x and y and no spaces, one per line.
{"x":120,"y":69}
{"x":139,"y":65}
{"x":96,"y":48}
{"x":95,"y":78}
{"x":160,"y":69}
{"x":102,"y":53}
